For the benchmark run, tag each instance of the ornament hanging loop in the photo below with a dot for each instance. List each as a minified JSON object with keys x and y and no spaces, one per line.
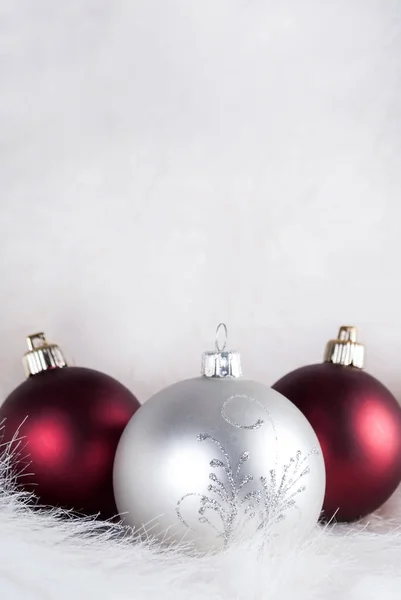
{"x":31,"y":339}
{"x":220,"y":327}
{"x":345,"y":350}
{"x":347,"y":333}
{"x":221,"y":362}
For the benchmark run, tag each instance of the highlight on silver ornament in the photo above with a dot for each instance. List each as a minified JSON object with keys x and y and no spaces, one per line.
{"x":219,"y":458}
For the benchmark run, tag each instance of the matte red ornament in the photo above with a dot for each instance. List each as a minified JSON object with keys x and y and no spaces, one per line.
{"x":64,"y":425}
{"x":358,"y":423}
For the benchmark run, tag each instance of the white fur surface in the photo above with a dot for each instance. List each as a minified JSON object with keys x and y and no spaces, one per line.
{"x":47,"y":556}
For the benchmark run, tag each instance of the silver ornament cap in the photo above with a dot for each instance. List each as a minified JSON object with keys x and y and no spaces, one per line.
{"x":42,"y":355}
{"x":221,"y":363}
{"x":345,"y":350}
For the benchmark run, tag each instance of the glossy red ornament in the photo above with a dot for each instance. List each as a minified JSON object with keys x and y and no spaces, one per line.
{"x":65,"y":424}
{"x":358,"y":423}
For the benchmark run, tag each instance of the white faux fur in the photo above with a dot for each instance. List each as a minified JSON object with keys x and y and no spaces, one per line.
{"x":53,"y":556}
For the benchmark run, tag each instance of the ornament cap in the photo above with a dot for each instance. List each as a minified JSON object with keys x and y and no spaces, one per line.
{"x":345,"y":350}
{"x":41,"y":355}
{"x":220,"y":363}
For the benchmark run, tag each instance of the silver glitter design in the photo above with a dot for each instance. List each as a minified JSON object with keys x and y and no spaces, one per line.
{"x":227,"y":504}
{"x":268,"y":502}
{"x":270,"y":498}
{"x":275,"y":498}
{"x":258,"y":423}
{"x":255,"y":425}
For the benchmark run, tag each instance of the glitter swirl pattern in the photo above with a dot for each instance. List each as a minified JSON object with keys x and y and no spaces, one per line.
{"x":234,"y":494}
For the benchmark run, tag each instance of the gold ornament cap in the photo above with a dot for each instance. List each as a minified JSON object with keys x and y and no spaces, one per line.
{"x":345,"y":350}
{"x":221,"y":363}
{"x":41,"y":355}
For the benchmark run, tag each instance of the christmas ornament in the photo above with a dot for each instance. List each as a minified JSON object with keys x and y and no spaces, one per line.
{"x":358,"y":423}
{"x":64,"y":424}
{"x":218,"y":457}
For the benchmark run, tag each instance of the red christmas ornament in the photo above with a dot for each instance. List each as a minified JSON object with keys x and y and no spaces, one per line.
{"x":64,"y":424}
{"x":358,"y":423}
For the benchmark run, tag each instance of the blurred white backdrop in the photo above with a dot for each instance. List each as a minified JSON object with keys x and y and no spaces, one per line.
{"x":166,"y":165}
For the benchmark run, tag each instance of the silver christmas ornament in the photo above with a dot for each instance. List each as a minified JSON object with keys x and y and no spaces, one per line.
{"x":217,"y":458}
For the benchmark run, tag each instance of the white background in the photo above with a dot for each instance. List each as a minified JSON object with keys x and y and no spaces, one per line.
{"x":166,"y":165}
